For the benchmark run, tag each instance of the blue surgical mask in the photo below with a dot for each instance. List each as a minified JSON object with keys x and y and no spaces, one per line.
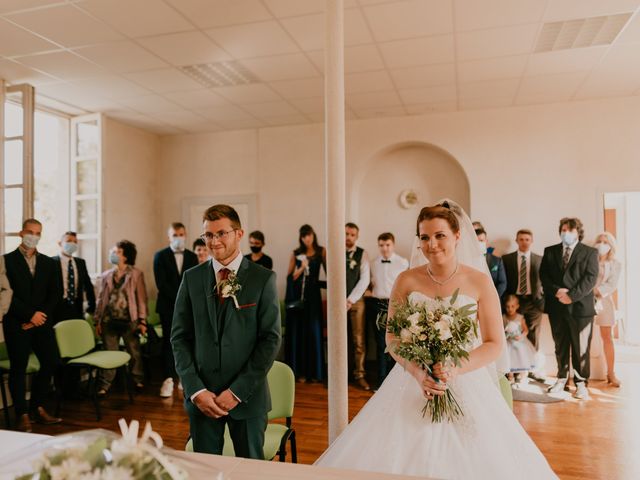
{"x":69,"y":248}
{"x":30,"y":241}
{"x":568,"y":238}
{"x":177,"y":243}
{"x":114,"y":258}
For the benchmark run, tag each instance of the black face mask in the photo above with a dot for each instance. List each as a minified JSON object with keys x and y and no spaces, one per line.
{"x":255,"y":249}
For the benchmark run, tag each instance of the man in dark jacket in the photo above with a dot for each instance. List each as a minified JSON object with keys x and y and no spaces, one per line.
{"x":496,"y":267}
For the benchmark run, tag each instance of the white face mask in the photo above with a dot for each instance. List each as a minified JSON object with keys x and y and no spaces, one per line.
{"x":177,"y":243}
{"x":30,"y":241}
{"x":483,"y":246}
{"x":603,"y":248}
{"x":69,"y":248}
{"x":568,"y":238}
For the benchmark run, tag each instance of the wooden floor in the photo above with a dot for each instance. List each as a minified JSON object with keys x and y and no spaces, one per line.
{"x":597,"y":439}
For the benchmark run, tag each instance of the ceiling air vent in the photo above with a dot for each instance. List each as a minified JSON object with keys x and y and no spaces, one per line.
{"x":222,"y":74}
{"x":583,"y":32}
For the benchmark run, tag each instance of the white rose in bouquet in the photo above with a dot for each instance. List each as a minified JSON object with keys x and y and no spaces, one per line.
{"x":405,"y":335}
{"x":443,"y":329}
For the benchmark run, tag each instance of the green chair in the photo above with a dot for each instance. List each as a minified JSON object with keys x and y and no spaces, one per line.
{"x":505,"y":389}
{"x":76,"y":345}
{"x":282,"y":388}
{"x":33,"y":366}
{"x":153,"y":319}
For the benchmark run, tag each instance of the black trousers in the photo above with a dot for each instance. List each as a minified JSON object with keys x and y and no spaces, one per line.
{"x":531,"y":310}
{"x":168,"y":363}
{"x":207,"y":433}
{"x":375,"y":307}
{"x":20,"y":343}
{"x":572,"y":337}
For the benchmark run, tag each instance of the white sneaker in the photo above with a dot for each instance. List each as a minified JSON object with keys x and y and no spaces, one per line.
{"x":581,"y":392}
{"x":167,"y":388}
{"x":180,"y":385}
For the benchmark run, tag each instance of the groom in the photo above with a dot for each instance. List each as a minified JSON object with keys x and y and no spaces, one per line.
{"x":224,"y":343}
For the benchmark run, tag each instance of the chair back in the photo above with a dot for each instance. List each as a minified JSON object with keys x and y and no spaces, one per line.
{"x":282,"y":386}
{"x":4,"y":355}
{"x":152,"y":316}
{"x":74,"y":338}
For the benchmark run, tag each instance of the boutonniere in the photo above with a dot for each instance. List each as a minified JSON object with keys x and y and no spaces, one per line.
{"x":351,"y":262}
{"x":229,"y":288}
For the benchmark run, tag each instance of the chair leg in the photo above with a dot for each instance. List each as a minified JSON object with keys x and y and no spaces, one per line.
{"x":93,"y":388}
{"x":294,"y":451}
{"x":7,"y":419}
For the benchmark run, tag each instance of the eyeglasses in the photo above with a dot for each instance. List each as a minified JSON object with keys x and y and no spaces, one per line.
{"x":221,"y":235}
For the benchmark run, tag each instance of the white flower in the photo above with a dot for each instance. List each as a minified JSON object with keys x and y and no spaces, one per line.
{"x":113,"y":472}
{"x":352,"y":264}
{"x":70,"y":469}
{"x":414,"y":318}
{"x":444,"y":332}
{"x":226,"y":290}
{"x":405,"y":336}
{"x":448,"y":319}
{"x":415,"y":329}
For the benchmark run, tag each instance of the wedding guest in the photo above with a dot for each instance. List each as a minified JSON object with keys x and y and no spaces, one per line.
{"x":568,"y":272}
{"x":496,"y":267}
{"x":200,"y":249}
{"x":521,"y":351}
{"x":28,"y":324}
{"x":256,"y":244}
{"x":169,"y":265}
{"x":304,"y":341}
{"x":121,"y":310}
{"x":358,"y":278}
{"x":76,"y":282}
{"x":5,"y":290}
{"x":384,"y":271}
{"x":606,"y":285}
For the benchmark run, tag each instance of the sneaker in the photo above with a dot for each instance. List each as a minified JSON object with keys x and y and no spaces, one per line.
{"x":581,"y":392}
{"x":167,"y":388}
{"x":559,"y":386}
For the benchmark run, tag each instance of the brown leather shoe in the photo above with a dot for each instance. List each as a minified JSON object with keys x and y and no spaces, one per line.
{"x":362,"y":383}
{"x":41,"y":416}
{"x":24,"y":424}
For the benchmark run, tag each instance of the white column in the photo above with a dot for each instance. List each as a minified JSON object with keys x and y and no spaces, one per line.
{"x":335,"y":198}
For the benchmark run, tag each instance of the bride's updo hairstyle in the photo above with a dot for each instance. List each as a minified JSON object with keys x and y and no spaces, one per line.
{"x":443,"y":211}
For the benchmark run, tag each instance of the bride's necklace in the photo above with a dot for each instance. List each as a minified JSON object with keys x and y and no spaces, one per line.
{"x":443,"y":281}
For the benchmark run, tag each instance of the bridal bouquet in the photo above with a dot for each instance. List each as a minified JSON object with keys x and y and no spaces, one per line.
{"x":434,"y":332}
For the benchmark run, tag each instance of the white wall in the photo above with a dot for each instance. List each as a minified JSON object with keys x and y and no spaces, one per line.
{"x":526,"y":166}
{"x":130,"y":201}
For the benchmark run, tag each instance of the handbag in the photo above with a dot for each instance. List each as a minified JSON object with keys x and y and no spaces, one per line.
{"x":294,"y":297}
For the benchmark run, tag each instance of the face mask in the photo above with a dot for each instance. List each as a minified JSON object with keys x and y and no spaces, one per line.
{"x":177,"y":243}
{"x":568,"y":238}
{"x":114,"y":258}
{"x":30,"y":241}
{"x":256,"y":249}
{"x":603,"y":248}
{"x":69,"y":248}
{"x":483,"y":247}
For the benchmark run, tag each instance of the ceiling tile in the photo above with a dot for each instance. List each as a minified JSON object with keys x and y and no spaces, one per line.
{"x":573,"y":9}
{"x":359,"y":58}
{"x":380,"y":112}
{"x":409,"y":19}
{"x":425,"y":76}
{"x":7,"y":6}
{"x":565,"y":60}
{"x":15,"y":73}
{"x":437,"y":107}
{"x":549,"y":97}
{"x":121,"y":57}
{"x":164,"y":80}
{"x":617,"y":74}
{"x":187,"y":48}
{"x":556,"y":85}
{"x":287,"y":120}
{"x":281,"y":67}
{"x":138,"y":18}
{"x":196,"y":99}
{"x":302,"y":88}
{"x":78,"y":97}
{"x":631,"y":32}
{"x":224,"y":112}
{"x":244,"y":94}
{"x":309,"y":105}
{"x":294,"y":8}
{"x":151,"y":104}
{"x":428,"y":95}
{"x":474,"y":15}
{"x":497,"y":42}
{"x":219,"y":13}
{"x":63,"y":65}
{"x":253,"y":40}
{"x":65,"y":25}
{"x":490,"y":89}
{"x":368,"y":82}
{"x":492,"y":68}
{"x":15,"y":41}
{"x":111,"y":86}
{"x":373,"y":99}
{"x":418,"y":51}
{"x":483,"y":103}
{"x":181,"y":116}
{"x":238,"y":124}
{"x":270,"y":109}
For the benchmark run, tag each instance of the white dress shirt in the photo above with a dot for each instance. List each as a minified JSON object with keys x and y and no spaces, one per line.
{"x":383,"y":275}
{"x":64,"y":264}
{"x":179,"y":256}
{"x":365,"y":277}
{"x":527,"y":255}
{"x":217,"y":266}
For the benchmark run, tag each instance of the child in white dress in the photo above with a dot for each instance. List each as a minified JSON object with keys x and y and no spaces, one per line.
{"x":521,"y":350}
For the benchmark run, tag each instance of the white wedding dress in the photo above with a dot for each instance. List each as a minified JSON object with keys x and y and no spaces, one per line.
{"x":390,"y":435}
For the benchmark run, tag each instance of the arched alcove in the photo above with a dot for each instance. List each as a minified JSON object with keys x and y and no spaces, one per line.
{"x":431,"y":172}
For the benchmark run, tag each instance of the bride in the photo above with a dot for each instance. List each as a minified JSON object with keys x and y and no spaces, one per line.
{"x":390,"y":434}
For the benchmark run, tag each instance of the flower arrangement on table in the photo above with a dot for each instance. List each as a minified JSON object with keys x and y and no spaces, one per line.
{"x":434,"y":332}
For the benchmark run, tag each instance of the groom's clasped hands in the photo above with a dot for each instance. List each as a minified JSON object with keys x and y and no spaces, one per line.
{"x":215,"y":406}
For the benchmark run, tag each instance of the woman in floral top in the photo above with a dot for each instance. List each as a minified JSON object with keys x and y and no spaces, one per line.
{"x":121,"y":310}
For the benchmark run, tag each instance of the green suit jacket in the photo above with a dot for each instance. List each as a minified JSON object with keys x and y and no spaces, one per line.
{"x":238,"y":358}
